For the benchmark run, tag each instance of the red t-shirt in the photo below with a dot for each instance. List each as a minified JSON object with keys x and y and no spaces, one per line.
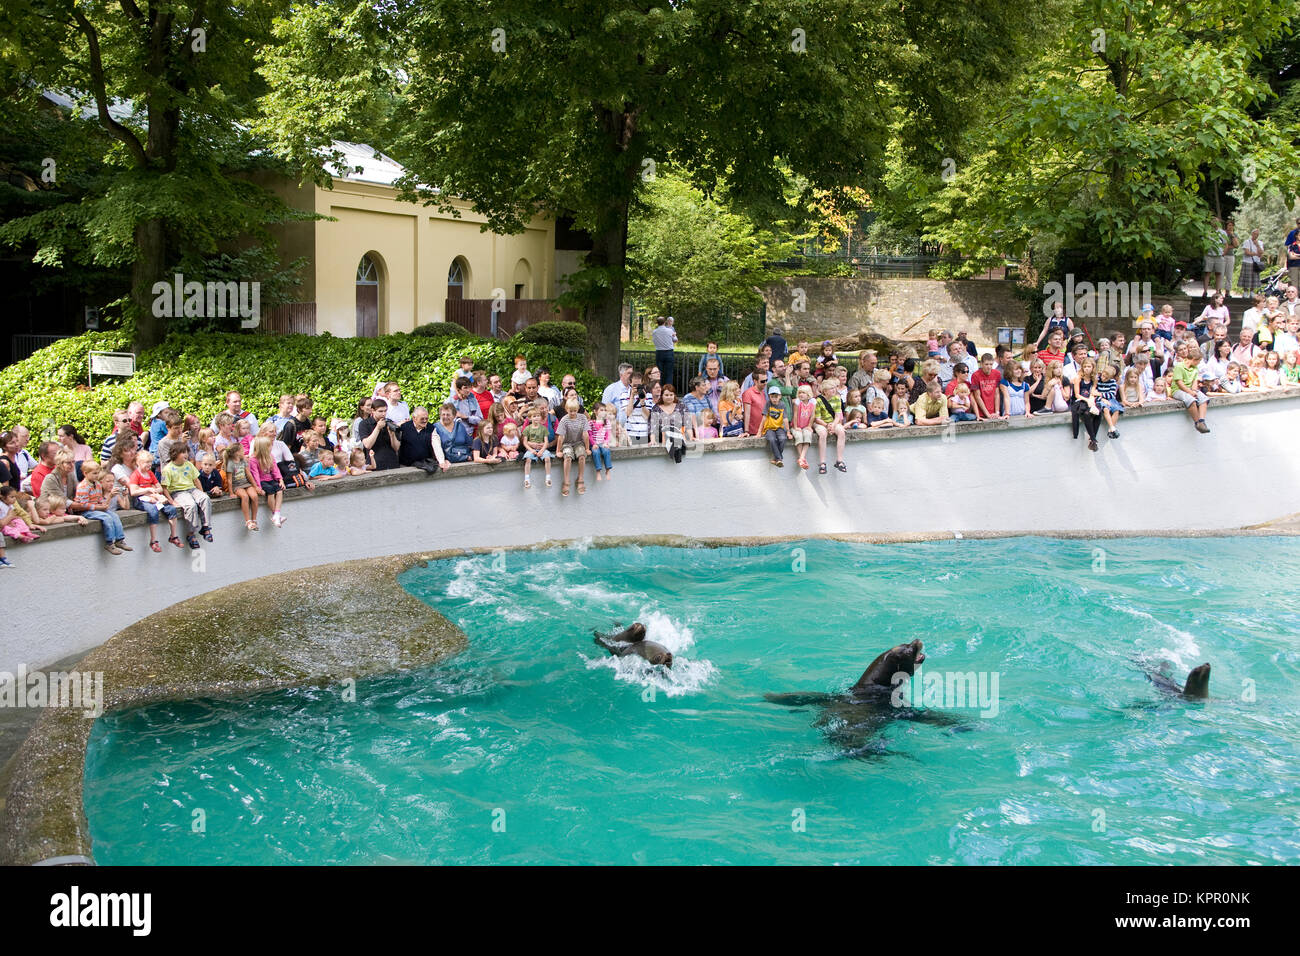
{"x":757,"y":399}
{"x":987,"y":386}
{"x":38,"y":477}
{"x":484,"y":399}
{"x":952,"y":386}
{"x":145,"y":479}
{"x":1048,"y":356}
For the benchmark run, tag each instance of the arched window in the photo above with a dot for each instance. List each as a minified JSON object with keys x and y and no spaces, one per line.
{"x":367,"y":283}
{"x":456,"y":279}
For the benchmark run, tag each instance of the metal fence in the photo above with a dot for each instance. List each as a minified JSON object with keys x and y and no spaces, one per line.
{"x":726,"y":325}
{"x":686,"y":365}
{"x":23,"y":346}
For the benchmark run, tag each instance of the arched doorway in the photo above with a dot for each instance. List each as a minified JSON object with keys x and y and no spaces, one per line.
{"x":523,"y":280}
{"x":457,"y":278}
{"x":368,"y":279}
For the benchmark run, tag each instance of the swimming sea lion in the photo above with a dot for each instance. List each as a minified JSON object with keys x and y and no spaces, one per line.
{"x":880,"y":674}
{"x":633,"y":641}
{"x":1197,"y":686}
{"x":852,"y":719}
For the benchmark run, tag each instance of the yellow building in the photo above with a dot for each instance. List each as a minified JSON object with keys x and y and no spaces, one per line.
{"x":379,"y":265}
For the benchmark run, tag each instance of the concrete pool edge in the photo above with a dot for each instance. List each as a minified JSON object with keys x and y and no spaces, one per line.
{"x":43,"y":817}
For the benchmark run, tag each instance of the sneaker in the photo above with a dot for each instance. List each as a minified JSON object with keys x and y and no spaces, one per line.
{"x":1203,"y":428}
{"x":6,"y":563}
{"x":123,"y":545}
{"x":277,"y":520}
{"x":1112,"y":433}
{"x":1092,"y":444}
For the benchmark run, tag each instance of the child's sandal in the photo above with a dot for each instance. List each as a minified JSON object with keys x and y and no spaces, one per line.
{"x":582,"y":487}
{"x":527,"y":483}
{"x":193,"y":542}
{"x":176,"y":541}
{"x":821,"y":469}
{"x":564,"y":492}
{"x":155,"y":547}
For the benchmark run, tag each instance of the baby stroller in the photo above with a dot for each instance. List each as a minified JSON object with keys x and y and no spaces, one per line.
{"x":1273,"y":284}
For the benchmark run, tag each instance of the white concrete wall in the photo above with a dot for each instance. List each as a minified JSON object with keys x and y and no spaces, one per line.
{"x":67,"y":595}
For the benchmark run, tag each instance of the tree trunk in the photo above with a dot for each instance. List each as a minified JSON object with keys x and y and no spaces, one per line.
{"x":150,"y":261}
{"x":605,"y":316}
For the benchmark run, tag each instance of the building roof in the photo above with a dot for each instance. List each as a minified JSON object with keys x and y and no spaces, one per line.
{"x":364,"y":164}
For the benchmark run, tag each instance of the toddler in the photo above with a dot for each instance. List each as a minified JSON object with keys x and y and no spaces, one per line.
{"x":601,"y":432}
{"x":708,"y":425}
{"x":509,"y":449}
{"x":148,"y":496}
{"x":357,"y":464}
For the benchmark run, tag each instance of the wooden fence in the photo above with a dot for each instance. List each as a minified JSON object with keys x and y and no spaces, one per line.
{"x":476,"y":315}
{"x":293,"y":318}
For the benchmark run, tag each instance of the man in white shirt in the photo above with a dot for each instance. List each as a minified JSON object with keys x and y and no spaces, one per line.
{"x":616,"y":393}
{"x":1292,"y":302}
{"x":399,"y":413}
{"x":1250,"y":318}
{"x":235,"y":406}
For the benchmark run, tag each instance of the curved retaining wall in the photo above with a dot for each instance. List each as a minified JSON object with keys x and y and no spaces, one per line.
{"x":67,"y":595}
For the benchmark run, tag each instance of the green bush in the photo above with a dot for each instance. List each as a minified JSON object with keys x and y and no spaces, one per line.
{"x":443,"y":330}
{"x":565,"y":335}
{"x":193,"y":373}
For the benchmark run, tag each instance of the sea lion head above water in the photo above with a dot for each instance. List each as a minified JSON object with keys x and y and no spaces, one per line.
{"x":901,"y":659}
{"x":1198,"y":682}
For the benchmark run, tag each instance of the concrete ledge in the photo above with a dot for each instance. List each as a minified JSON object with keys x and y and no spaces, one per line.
{"x":67,"y":595}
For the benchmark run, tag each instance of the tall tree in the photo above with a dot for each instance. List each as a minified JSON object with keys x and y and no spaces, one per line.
{"x":1118,"y":139}
{"x":570,"y":106}
{"x":168,"y":83}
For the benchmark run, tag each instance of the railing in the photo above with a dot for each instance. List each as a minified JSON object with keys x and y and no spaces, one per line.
{"x":476,"y":315}
{"x":23,"y":346}
{"x":726,"y":325}
{"x":686,"y":365}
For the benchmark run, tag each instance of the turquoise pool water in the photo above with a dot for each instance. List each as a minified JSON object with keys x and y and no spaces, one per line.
{"x":534,"y":747}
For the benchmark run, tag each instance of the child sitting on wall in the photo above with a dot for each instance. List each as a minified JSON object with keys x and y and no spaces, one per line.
{"x":357,"y":464}
{"x":324,"y":467}
{"x":774,"y":426}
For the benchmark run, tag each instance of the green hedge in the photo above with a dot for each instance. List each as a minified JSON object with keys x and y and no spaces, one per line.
{"x":443,"y":330}
{"x":194,"y":372}
{"x":565,"y":335}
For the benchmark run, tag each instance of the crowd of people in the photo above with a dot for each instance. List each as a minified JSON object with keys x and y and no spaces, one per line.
{"x":171,"y":466}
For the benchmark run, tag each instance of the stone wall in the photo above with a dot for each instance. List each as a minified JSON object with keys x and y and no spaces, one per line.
{"x":838,"y":307}
{"x":813,"y":308}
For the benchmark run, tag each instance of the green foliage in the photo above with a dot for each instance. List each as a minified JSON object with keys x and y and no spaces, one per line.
{"x":1123,"y":137}
{"x":564,"y":335}
{"x":689,"y":255}
{"x":443,"y":330}
{"x":194,"y":372}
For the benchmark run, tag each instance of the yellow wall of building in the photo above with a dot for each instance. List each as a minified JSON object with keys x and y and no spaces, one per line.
{"x":414,"y":246}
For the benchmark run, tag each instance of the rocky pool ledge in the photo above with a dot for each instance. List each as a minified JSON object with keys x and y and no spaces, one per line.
{"x":316,"y":626}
